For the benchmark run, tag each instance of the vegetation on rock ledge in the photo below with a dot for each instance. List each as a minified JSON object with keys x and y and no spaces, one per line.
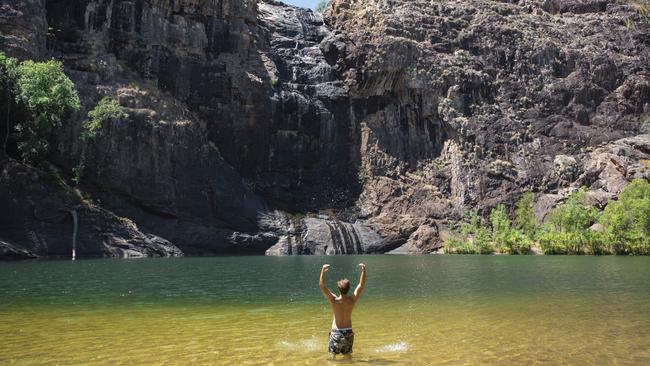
{"x":107,"y":109}
{"x":573,"y":227}
{"x":47,"y":95}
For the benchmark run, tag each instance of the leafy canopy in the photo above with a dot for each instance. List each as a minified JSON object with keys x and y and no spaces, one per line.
{"x":573,"y":215}
{"x":107,"y":109}
{"x":629,"y":217}
{"x":525,"y":215}
{"x":48,"y":95}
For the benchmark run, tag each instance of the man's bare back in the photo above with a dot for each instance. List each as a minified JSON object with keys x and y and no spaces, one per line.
{"x":342,"y":337}
{"x":342,"y":307}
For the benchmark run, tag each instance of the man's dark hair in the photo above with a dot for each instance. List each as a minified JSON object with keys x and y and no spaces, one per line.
{"x":344,"y":286}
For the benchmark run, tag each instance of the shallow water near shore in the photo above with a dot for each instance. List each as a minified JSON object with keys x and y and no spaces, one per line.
{"x":416,"y":310}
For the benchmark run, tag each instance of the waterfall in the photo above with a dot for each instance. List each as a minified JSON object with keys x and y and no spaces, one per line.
{"x":344,"y":238}
{"x":74,"y":234}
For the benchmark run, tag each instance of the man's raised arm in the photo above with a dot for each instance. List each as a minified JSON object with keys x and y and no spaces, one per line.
{"x":328,"y":294}
{"x":362,"y":282}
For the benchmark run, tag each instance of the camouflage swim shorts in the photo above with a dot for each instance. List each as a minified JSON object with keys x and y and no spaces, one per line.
{"x":341,"y":341}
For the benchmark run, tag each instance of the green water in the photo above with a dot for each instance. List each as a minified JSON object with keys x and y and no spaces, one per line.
{"x":416,"y":310}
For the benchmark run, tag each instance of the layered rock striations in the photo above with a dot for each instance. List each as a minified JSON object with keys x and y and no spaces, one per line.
{"x":254,"y":126}
{"x":496,"y":92}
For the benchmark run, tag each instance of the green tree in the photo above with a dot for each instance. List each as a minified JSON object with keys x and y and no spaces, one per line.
{"x":500,"y":225}
{"x":566,"y":230}
{"x":627,"y":221}
{"x":321,"y":6}
{"x":8,"y":78}
{"x":574,"y":215}
{"x":107,"y":109}
{"x":525,"y":215}
{"x":48,"y":95}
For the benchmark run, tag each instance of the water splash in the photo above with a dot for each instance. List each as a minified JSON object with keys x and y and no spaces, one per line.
{"x":394,"y":347}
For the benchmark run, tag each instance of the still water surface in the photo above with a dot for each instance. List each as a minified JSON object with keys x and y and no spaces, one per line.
{"x":416,"y":310}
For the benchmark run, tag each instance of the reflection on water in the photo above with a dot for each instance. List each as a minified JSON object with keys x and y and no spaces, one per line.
{"x":420,"y":310}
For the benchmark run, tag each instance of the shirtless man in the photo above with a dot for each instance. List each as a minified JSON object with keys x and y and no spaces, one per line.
{"x":341,"y":336}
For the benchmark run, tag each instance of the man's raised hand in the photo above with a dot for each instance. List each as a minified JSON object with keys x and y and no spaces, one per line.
{"x":363,"y":267}
{"x":326,"y":267}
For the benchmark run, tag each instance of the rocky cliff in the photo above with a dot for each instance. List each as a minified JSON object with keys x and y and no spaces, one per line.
{"x":258,"y":127}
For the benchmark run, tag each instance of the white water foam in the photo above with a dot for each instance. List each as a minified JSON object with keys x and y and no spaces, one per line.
{"x":394,"y":347}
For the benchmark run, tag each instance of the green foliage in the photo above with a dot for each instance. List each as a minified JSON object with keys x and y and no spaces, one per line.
{"x":553,"y":242}
{"x":574,"y":215}
{"x":107,"y":109}
{"x":566,"y":230}
{"x":525,"y":215}
{"x":627,"y":221}
{"x":322,"y":5}
{"x":48,"y":95}
{"x":516,"y":242}
{"x":483,"y":241}
{"x":597,"y":243}
{"x":8,"y":70}
{"x":624,"y":227}
{"x":563,"y":242}
{"x":458,"y":245}
{"x":500,"y":225}
{"x":475,"y":237}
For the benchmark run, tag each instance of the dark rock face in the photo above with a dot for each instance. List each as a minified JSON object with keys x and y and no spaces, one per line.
{"x":37,"y":220}
{"x":23,"y":28}
{"x":312,"y":156}
{"x":373,"y":128}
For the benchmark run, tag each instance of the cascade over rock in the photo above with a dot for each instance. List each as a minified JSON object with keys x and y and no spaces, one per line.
{"x":258,"y":127}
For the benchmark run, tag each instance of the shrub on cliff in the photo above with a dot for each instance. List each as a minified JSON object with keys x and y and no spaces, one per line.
{"x":47,"y":95}
{"x":107,"y":109}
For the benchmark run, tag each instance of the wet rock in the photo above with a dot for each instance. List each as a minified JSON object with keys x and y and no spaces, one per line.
{"x":326,"y":236}
{"x":9,"y":251}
